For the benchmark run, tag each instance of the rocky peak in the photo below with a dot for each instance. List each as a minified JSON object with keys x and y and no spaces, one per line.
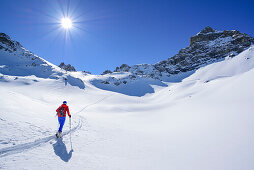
{"x":123,"y":68}
{"x":106,"y":72}
{"x":4,"y":35}
{"x":207,"y":30}
{"x":206,"y":47}
{"x":7,"y":44}
{"x":207,"y":34}
{"x":67,"y":67}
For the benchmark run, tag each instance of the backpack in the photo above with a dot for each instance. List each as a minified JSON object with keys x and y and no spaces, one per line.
{"x":62,"y":111}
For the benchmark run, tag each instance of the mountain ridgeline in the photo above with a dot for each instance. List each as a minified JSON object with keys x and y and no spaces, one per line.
{"x":15,"y":60}
{"x":206,"y":47}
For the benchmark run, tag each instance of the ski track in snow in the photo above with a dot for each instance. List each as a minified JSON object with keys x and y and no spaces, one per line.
{"x":25,"y":146}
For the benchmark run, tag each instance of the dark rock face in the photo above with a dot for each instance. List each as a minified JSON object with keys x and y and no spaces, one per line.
{"x":206,"y":47}
{"x":123,"y":68}
{"x":66,"y":67}
{"x":207,"y":30}
{"x":106,"y":72}
{"x":7,"y":44}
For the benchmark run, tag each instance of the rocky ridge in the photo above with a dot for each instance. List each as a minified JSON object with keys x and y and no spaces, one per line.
{"x":206,"y":47}
{"x":67,"y":67}
{"x":15,"y":60}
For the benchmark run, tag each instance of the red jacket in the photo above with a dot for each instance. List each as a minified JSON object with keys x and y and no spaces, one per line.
{"x":66,"y":109}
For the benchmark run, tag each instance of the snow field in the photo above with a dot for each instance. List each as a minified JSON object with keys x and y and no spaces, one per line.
{"x":203,"y":122}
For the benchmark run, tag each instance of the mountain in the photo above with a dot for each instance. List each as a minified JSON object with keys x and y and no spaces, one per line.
{"x":206,"y":47}
{"x":204,"y":122}
{"x":17,"y":61}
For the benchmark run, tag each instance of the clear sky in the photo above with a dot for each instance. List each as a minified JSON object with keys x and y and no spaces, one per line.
{"x":108,"y":33}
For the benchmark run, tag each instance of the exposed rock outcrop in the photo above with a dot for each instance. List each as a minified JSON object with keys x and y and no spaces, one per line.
{"x":67,"y":67}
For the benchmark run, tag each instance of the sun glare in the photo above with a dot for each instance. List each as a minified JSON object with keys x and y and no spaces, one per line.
{"x":66,"y":23}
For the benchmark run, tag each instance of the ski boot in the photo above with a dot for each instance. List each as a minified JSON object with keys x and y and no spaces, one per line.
{"x":59,"y":134}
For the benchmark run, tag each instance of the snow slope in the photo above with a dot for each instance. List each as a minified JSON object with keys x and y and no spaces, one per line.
{"x":203,"y":122}
{"x":227,"y":68}
{"x":17,"y":61}
{"x":206,"y":47}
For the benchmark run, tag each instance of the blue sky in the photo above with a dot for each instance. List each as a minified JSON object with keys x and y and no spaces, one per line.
{"x":108,"y":33}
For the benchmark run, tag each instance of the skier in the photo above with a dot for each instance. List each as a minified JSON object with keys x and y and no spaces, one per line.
{"x":61,"y":112}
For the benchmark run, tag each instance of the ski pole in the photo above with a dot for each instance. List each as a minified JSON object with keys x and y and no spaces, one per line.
{"x":70,"y":133}
{"x":70,"y":124}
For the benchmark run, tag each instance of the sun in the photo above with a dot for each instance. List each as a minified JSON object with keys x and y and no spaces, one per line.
{"x":66,"y":23}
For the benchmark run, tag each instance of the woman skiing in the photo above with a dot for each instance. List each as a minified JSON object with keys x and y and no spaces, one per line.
{"x":61,"y":112}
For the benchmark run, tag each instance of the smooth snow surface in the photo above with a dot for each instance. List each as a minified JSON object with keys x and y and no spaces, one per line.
{"x":203,"y":122}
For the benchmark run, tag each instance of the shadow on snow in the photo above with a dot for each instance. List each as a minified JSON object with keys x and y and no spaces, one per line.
{"x":138,"y":87}
{"x":61,"y":150}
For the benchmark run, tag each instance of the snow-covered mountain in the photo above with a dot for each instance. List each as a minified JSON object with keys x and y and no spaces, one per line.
{"x":204,"y":121}
{"x":206,"y":47}
{"x":15,"y":60}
